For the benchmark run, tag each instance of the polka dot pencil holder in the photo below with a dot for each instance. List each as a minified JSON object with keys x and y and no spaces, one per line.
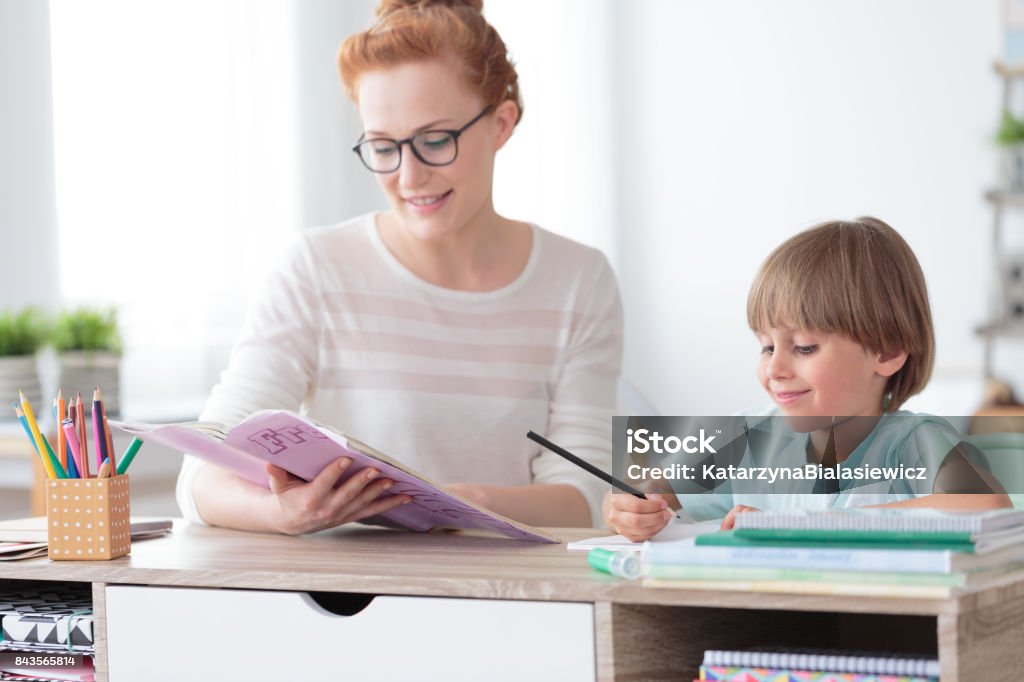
{"x":88,"y":518}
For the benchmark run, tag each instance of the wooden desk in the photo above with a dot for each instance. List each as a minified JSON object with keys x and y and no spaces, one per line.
{"x":638,"y":633}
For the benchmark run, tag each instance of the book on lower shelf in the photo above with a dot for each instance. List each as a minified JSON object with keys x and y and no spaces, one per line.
{"x":812,"y":665}
{"x":303,"y":447}
{"x":47,"y":632}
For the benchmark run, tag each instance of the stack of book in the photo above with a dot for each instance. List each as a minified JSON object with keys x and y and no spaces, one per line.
{"x":46,"y":633}
{"x":920,"y":553}
{"x":787,"y":665}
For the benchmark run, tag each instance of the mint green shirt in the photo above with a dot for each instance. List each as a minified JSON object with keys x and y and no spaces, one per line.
{"x":913,"y":440}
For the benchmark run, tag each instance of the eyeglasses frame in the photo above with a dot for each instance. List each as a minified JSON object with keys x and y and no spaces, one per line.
{"x":399,"y":143}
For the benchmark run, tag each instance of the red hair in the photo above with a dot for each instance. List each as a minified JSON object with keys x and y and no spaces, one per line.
{"x":411,"y":30}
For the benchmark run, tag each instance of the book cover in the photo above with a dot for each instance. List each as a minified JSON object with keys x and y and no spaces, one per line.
{"x":833,"y":539}
{"x":978,"y":543}
{"x":684,"y":572}
{"x":304,"y":447}
{"x":33,"y":529}
{"x":803,"y":587}
{"x":890,"y":558}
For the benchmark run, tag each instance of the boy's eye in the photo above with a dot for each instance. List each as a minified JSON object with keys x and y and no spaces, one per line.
{"x":767,"y":350}
{"x":805,"y":350}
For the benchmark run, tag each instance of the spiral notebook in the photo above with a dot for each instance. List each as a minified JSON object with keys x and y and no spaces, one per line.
{"x":886,"y":519}
{"x":825,"y":660}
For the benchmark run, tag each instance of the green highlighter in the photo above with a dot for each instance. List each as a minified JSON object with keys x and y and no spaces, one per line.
{"x":620,"y":564}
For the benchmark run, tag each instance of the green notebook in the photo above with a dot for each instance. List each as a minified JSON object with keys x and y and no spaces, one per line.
{"x":851,"y":539}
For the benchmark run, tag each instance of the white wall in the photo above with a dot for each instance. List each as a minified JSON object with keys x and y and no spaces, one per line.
{"x":746,"y":121}
{"x":28,"y":220}
{"x":685,"y":138}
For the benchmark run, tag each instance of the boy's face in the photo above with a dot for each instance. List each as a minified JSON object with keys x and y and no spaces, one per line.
{"x":814,"y":374}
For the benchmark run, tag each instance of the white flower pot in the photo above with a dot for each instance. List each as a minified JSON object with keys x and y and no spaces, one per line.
{"x":82,"y":371}
{"x":20,"y":373}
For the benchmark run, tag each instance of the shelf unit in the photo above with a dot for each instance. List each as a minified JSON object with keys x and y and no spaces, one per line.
{"x":625,"y":631}
{"x":1001,"y":200}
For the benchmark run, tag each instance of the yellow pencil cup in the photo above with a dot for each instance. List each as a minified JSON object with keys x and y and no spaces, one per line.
{"x":88,"y":518}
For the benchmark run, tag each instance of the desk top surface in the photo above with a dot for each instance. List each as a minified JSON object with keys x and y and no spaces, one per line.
{"x":450,"y":564}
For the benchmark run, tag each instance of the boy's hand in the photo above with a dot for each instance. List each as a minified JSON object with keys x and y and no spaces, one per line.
{"x":634,"y":518}
{"x":729,"y":522}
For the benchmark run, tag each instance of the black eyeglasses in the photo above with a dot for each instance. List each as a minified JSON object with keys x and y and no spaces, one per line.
{"x":432,"y":147}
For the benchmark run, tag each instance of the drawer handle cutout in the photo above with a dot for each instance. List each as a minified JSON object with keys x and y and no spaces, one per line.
{"x":341,"y":603}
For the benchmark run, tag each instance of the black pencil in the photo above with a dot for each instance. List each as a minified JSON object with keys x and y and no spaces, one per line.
{"x":583,"y":464}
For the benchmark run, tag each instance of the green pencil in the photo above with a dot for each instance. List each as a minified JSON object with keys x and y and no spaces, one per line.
{"x":128,"y":456}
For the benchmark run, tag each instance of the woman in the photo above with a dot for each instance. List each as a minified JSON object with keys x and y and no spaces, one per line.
{"x":437,"y":331}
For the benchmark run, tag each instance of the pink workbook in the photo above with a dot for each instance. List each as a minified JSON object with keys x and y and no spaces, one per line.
{"x":303,"y":447}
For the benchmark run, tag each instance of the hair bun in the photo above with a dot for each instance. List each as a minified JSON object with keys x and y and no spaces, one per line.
{"x":386,"y":7}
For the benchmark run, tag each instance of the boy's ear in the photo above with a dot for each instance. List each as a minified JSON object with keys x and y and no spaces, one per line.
{"x":890,"y":362}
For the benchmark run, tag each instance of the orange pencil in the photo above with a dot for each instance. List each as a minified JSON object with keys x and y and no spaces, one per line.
{"x":83,"y":435}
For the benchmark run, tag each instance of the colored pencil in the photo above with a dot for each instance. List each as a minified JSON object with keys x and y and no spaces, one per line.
{"x":108,"y":434}
{"x":62,"y":448}
{"x":47,"y":458}
{"x":68,"y":426}
{"x":83,"y":435}
{"x":129,"y":455}
{"x":97,"y":428}
{"x":104,"y":471}
{"x":72,"y":469}
{"x":41,"y":445}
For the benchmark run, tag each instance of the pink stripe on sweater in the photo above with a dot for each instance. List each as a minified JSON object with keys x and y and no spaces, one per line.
{"x":382,"y":342}
{"x":432,"y":383}
{"x":392,"y":306}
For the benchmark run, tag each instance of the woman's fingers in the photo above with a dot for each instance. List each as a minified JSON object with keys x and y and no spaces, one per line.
{"x":379,"y":506}
{"x":324,"y":483}
{"x":281,"y":480}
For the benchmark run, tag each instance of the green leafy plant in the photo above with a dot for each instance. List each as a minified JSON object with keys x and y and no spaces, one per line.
{"x":87,"y":329}
{"x":23,"y":332}
{"x":1011,"y":130}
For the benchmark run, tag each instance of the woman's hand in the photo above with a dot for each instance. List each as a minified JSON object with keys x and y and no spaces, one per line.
{"x":635,"y":518}
{"x":729,"y":522}
{"x":306,"y":507}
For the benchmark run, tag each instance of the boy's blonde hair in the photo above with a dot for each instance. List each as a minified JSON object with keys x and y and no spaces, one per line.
{"x":856,"y":278}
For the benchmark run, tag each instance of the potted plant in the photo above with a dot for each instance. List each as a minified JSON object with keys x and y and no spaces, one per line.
{"x":22,"y":334}
{"x":1011,"y":137}
{"x":88,"y":347}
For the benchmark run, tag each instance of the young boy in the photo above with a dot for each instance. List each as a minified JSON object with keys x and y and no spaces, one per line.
{"x":842,"y":317}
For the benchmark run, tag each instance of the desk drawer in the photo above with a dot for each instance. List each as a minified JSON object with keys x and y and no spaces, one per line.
{"x":169,"y":633}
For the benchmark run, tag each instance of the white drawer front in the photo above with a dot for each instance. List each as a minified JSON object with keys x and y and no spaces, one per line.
{"x":170,"y":633}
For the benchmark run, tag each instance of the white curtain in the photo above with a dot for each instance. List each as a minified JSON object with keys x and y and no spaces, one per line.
{"x":183,"y":134}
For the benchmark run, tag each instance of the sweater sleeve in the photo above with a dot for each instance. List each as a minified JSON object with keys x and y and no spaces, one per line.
{"x":583,"y":393}
{"x":273,"y":365}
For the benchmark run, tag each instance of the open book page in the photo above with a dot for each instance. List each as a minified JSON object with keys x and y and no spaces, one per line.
{"x":676,"y":530}
{"x":303,"y":447}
